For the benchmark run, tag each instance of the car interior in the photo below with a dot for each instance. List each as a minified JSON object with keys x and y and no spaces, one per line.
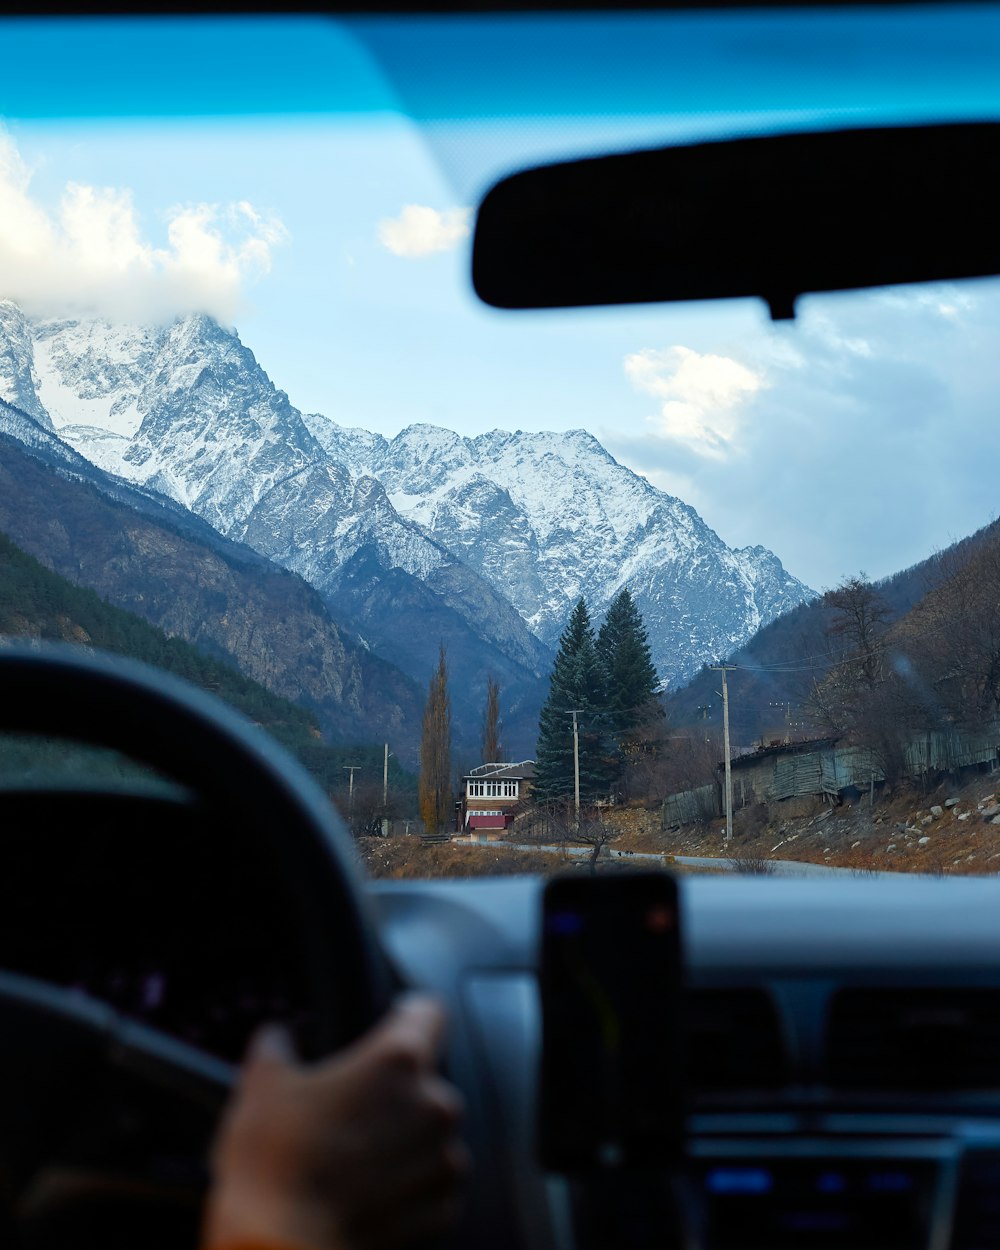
{"x":814,"y":1062}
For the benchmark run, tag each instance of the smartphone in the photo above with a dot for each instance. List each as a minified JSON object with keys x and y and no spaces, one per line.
{"x":612,"y":1065}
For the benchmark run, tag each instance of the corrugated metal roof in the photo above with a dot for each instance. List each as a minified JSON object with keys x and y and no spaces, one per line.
{"x":524,"y":770}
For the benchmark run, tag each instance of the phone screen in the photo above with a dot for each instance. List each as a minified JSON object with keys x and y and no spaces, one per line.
{"x":612,"y":1076}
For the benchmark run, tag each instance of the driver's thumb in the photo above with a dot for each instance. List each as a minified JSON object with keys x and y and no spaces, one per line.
{"x":410,"y":1034}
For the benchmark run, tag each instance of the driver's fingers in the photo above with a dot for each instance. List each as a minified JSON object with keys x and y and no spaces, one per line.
{"x":409,"y":1035}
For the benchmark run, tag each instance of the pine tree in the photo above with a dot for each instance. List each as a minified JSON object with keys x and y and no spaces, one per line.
{"x":576,"y":683}
{"x":492,"y":749}
{"x":435,"y":752}
{"x":623,"y":646}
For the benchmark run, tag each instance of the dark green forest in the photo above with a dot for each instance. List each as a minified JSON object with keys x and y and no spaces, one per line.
{"x":37,"y":603}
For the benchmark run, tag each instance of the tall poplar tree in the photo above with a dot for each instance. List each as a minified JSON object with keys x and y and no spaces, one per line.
{"x":492,"y":748}
{"x":435,"y":752}
{"x":576,"y":683}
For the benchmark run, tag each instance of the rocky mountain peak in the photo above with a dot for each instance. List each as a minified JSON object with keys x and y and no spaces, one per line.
{"x":504,"y":530}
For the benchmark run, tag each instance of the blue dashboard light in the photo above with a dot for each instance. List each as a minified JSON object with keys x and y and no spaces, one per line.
{"x":894,"y":1182}
{"x":831,"y":1183}
{"x":739,"y":1181}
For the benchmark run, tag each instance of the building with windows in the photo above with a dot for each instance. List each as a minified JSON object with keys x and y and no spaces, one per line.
{"x":491,"y":794}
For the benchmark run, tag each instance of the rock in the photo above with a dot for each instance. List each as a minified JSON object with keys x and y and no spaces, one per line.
{"x":952,"y":802}
{"x":988,"y":813}
{"x":937,"y":810}
{"x":995,"y":820}
{"x":926,"y":820}
{"x":854,"y":844}
{"x":962,"y":815}
{"x":922,"y":841}
{"x":890,"y":847}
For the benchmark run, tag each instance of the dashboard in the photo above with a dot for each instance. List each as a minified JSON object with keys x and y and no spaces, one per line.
{"x":844,"y":1065}
{"x":842,"y":1037}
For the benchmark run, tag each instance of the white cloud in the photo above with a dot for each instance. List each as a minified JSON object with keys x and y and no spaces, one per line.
{"x":90,"y":256}
{"x":420,"y":231}
{"x":701,"y":395}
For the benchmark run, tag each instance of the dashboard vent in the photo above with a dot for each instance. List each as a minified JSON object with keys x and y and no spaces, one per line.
{"x":734,"y":1041}
{"x":914,"y":1039}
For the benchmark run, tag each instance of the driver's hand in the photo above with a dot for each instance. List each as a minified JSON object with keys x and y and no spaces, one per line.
{"x":359,"y":1152}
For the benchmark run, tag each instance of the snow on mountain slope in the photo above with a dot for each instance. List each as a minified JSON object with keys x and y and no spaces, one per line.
{"x":90,"y":375}
{"x":18,"y":379}
{"x":547,"y":517}
{"x":507,"y":529}
{"x":187,"y":411}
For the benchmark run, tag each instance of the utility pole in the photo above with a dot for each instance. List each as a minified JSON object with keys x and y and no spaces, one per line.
{"x":724,"y":669}
{"x":385,"y":793}
{"x":574,"y":712}
{"x":350,"y":769}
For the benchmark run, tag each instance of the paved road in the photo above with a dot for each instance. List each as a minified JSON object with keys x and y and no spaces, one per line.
{"x":779,"y":867}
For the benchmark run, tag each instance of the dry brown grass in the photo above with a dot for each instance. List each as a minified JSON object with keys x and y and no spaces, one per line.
{"x":398,"y":858}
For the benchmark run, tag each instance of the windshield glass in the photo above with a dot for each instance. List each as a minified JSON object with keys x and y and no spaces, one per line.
{"x":514,"y":586}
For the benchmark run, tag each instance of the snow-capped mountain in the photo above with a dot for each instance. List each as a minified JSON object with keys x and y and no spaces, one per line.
{"x":505,"y":530}
{"x":548,"y":517}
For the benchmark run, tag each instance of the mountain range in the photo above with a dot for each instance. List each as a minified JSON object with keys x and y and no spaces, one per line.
{"x":482,"y":543}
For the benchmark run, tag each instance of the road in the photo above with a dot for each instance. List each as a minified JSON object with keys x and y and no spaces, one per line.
{"x":778,"y":867}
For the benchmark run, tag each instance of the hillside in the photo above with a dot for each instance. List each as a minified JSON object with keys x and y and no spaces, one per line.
{"x":152,"y":557}
{"x":782,"y":663}
{"x":37,"y":603}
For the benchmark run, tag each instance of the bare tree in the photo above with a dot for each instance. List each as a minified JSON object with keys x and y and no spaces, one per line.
{"x":860,"y":622}
{"x":865,"y":697}
{"x":953,"y":637}
{"x":555,"y":823}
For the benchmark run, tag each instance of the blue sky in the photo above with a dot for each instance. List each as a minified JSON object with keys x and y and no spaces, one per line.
{"x":333,"y":234}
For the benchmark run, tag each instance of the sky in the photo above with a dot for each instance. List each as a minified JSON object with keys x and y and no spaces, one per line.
{"x":288,"y":191}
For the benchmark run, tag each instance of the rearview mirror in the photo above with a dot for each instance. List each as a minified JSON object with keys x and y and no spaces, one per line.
{"x":776,"y":216}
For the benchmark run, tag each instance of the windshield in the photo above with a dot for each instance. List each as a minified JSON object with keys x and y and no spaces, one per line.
{"x":670,"y":582}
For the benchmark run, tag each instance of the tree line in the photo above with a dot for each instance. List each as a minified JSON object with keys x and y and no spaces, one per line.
{"x":35,"y":602}
{"x":602,"y":712}
{"x":938,"y":667}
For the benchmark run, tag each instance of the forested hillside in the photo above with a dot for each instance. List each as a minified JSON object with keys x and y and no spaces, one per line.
{"x":772,"y":691}
{"x":142,"y":553}
{"x":37,"y":603}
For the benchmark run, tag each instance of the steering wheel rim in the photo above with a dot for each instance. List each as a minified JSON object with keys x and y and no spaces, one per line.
{"x":207,"y":747}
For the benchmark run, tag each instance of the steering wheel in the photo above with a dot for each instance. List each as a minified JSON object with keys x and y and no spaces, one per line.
{"x":57,"y":1048}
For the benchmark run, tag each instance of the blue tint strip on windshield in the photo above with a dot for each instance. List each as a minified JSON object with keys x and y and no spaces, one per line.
{"x":894,"y":63}
{"x":184,"y":67}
